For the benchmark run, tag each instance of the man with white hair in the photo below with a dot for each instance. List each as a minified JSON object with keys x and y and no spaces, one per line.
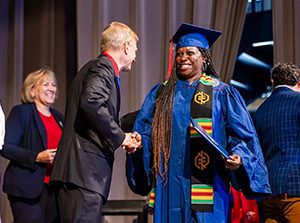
{"x":91,"y":134}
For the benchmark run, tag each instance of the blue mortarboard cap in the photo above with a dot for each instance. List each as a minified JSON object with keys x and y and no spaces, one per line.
{"x":192,"y":35}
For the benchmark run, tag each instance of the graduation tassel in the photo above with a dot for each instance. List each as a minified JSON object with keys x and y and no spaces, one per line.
{"x":170,"y":65}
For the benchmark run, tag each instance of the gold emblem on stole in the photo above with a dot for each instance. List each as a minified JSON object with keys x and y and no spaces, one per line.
{"x":201,"y":160}
{"x":201,"y":98}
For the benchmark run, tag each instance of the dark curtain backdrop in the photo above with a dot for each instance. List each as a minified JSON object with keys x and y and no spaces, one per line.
{"x":50,"y":40}
{"x":286,"y":31}
{"x":64,"y":34}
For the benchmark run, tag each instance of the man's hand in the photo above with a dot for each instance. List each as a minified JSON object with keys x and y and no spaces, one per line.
{"x":131,"y":142}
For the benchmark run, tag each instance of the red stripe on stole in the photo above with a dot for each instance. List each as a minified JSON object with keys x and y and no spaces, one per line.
{"x":202,"y":193}
{"x":207,"y":127}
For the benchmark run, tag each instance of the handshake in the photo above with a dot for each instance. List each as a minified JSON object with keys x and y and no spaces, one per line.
{"x":132,"y":142}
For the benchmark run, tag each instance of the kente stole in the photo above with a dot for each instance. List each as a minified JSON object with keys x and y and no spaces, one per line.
{"x":201,"y":156}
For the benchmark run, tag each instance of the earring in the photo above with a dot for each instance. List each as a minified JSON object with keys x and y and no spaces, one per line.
{"x":204,"y":67}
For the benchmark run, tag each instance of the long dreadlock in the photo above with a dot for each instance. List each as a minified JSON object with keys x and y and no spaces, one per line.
{"x":162,"y":121}
{"x":162,"y":126}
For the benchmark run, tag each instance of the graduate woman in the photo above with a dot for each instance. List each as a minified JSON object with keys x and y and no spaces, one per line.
{"x":190,"y":182}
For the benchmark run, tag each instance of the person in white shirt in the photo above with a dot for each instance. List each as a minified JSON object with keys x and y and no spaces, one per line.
{"x":2,"y":132}
{"x":2,"y":127}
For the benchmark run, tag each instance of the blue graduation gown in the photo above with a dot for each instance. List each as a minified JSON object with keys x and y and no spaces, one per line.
{"x":232,"y":128}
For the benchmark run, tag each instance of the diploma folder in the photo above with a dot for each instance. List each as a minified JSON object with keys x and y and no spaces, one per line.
{"x":209,"y":139}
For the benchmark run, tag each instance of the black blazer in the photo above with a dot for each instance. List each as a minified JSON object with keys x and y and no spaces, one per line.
{"x":25,"y":137}
{"x":91,"y":133}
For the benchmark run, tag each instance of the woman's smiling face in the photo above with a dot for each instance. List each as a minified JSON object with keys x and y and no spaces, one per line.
{"x":189,"y":61}
{"x":44,"y":92}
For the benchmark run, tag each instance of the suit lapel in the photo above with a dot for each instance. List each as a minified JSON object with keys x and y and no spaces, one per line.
{"x":117,"y":82}
{"x":57,"y":118}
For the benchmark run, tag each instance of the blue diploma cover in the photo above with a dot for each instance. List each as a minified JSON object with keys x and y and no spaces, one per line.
{"x":220,"y":149}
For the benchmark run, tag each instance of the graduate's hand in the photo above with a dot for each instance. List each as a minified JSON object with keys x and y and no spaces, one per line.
{"x":46,"y":156}
{"x":138,"y":138}
{"x":234,"y":162}
{"x":131,"y":142}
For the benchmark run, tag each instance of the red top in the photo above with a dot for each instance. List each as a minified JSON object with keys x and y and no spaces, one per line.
{"x":53,"y":133}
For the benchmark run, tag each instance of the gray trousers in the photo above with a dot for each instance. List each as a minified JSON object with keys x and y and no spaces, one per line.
{"x":76,"y":205}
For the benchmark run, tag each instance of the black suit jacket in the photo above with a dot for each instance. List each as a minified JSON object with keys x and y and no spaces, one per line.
{"x":25,"y":137}
{"x":91,"y":133}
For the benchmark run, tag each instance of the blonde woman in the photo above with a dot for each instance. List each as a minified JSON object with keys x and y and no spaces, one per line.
{"x":33,"y":130}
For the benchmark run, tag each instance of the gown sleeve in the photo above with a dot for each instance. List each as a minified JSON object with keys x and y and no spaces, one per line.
{"x":243,"y":141}
{"x":138,"y":165}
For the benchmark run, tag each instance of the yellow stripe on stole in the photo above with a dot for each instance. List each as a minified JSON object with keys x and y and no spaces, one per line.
{"x":202,"y":197}
{"x":202,"y":190}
